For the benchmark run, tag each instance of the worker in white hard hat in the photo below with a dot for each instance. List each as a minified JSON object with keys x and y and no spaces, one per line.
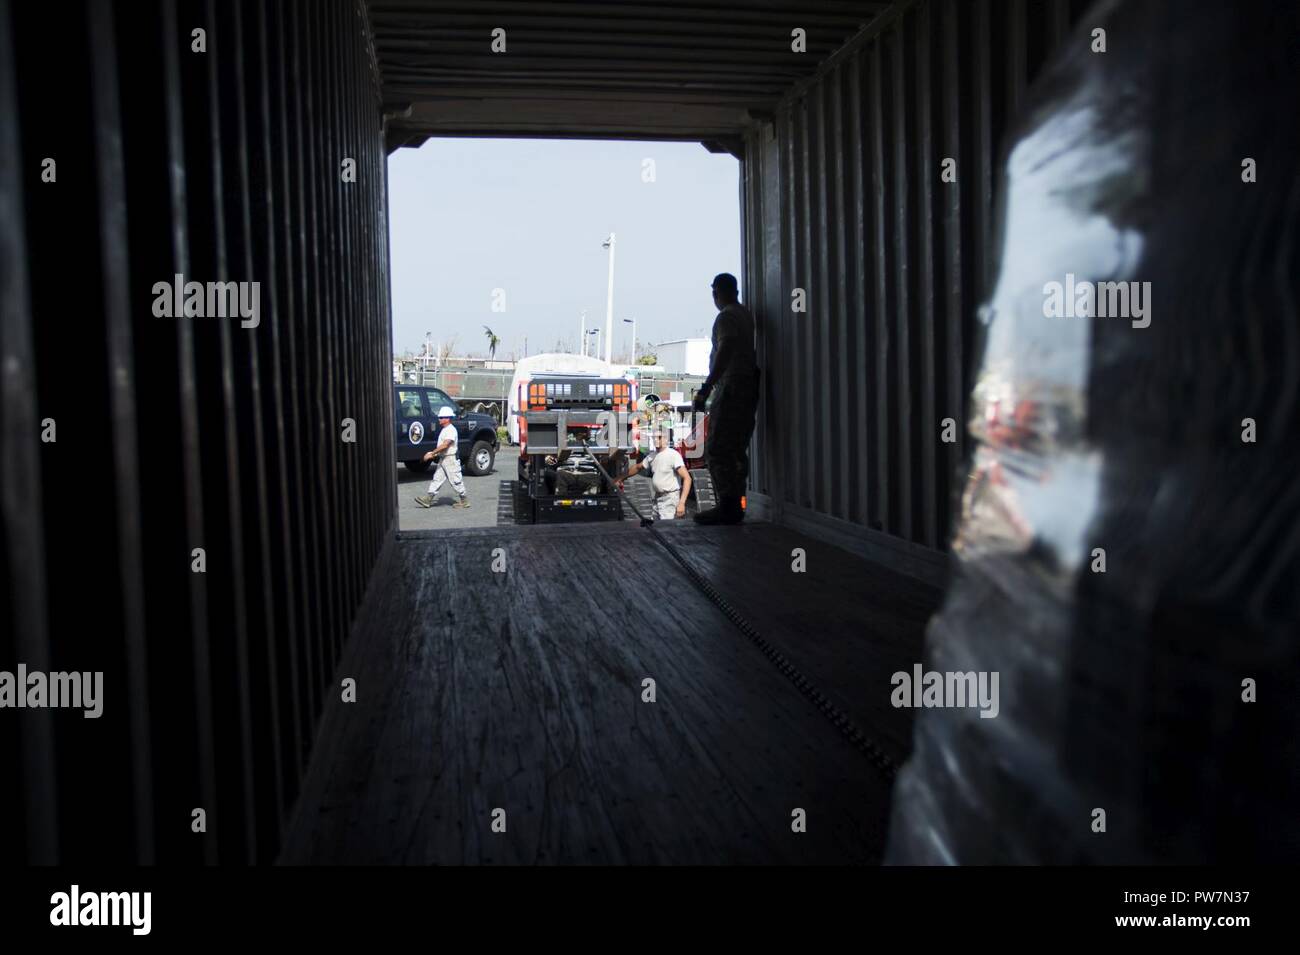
{"x":446,"y":462}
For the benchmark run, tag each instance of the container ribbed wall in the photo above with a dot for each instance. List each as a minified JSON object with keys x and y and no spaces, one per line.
{"x":221,"y":164}
{"x":845,"y":200}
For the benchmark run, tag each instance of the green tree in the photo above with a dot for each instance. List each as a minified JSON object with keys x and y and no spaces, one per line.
{"x":493,"y":342}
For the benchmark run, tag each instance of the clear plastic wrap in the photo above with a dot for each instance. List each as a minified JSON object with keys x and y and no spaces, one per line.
{"x":1126,"y":559}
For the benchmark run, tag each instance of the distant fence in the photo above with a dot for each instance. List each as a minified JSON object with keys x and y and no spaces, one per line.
{"x":665,"y":385}
{"x":487,"y":390}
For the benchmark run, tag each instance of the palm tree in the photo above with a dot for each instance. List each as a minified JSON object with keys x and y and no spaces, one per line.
{"x":493,"y":342}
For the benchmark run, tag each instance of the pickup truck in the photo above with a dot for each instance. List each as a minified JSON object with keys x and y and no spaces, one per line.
{"x":415,"y":410}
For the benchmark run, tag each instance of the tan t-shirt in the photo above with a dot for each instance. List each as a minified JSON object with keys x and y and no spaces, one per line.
{"x":448,"y":433}
{"x":662,"y":467}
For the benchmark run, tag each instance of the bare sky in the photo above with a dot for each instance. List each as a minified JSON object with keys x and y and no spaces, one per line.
{"x":528,"y":216}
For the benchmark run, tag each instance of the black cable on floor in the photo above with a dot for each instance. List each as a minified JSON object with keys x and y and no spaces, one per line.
{"x":848,"y":729}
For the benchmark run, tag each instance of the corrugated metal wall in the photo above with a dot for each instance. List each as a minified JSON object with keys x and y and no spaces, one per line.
{"x":180,"y":433}
{"x":844,"y":200}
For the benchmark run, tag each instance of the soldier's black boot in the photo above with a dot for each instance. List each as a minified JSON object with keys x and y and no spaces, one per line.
{"x":728,"y":511}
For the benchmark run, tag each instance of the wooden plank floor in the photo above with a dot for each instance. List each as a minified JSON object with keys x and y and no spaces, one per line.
{"x":522,"y":691}
{"x":848,"y":625}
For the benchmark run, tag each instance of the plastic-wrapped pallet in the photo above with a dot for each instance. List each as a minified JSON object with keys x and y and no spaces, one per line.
{"x":1129,"y":545}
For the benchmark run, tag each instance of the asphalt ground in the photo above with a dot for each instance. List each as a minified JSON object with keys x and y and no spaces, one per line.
{"x":490,"y":497}
{"x":485,"y":497}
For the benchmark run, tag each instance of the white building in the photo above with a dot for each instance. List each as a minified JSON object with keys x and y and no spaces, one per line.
{"x":686,"y":356}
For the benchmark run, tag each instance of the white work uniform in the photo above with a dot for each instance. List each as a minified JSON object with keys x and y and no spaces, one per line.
{"x":662,"y":467}
{"x":447,"y":468}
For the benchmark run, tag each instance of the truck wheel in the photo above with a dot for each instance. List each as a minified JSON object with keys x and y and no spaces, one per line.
{"x":417,"y":466}
{"x":481,"y":457}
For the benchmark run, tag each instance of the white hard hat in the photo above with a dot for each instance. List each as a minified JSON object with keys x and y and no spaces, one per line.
{"x":446,"y":412}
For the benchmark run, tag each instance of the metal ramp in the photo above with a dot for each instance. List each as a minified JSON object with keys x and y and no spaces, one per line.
{"x":702,"y":488}
{"x":640,"y":492}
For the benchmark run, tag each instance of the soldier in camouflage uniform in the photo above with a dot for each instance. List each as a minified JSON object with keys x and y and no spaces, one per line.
{"x":733,"y":386}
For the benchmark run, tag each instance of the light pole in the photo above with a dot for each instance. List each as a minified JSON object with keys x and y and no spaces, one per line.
{"x":582,"y":335}
{"x":609,"y":301}
{"x":595,"y":348}
{"x":632,"y":321}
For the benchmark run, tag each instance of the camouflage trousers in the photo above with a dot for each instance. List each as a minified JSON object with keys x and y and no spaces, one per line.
{"x":731,"y":425}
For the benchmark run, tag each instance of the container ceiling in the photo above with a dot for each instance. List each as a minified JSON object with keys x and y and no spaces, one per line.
{"x":653,"y":69}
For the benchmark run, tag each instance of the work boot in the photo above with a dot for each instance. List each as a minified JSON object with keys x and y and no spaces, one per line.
{"x":462,"y":502}
{"x":728,"y":511}
{"x":424,"y":500}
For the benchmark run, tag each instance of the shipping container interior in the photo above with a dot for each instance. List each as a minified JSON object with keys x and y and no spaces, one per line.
{"x":215,"y":526}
